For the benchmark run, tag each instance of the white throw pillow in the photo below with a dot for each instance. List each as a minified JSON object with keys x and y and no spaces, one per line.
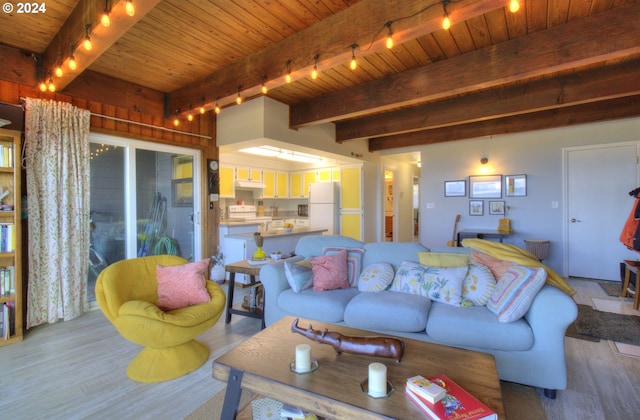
{"x":299,"y":274}
{"x":444,"y":284}
{"x":478,"y":285}
{"x":408,"y":278}
{"x":376,"y":277}
{"x":515,"y":291}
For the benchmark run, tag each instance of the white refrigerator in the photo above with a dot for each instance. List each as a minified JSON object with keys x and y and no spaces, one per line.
{"x":324,"y":208}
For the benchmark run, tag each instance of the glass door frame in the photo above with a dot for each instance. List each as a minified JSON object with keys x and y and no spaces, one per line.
{"x":130,"y":146}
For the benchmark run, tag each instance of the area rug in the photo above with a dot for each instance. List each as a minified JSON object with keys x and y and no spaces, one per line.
{"x":612,"y":288}
{"x":520,"y":402}
{"x":607,"y":325}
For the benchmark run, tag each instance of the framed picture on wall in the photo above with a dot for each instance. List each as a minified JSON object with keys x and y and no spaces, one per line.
{"x":515,"y":185}
{"x":476,"y":207}
{"x":485,"y":186}
{"x":455,"y":188}
{"x":496,"y":207}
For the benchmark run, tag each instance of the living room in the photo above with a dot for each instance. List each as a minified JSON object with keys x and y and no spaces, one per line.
{"x":540,"y":146}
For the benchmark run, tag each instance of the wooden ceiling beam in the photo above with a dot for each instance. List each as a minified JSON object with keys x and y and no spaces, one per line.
{"x":618,"y":108}
{"x":73,"y":32}
{"x":330,"y":39}
{"x":542,"y":53}
{"x":581,"y":87}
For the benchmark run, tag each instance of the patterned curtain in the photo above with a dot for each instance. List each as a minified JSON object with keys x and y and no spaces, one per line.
{"x":57,"y":166}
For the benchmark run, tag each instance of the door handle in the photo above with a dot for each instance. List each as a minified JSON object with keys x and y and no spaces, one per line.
{"x":574,"y":220}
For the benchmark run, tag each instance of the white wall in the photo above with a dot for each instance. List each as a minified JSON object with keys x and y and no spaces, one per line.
{"x":537,"y":154}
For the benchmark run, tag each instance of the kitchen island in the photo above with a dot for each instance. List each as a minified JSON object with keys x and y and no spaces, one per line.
{"x":239,"y":244}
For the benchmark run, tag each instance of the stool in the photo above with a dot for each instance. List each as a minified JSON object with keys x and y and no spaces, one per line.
{"x":629,"y":267}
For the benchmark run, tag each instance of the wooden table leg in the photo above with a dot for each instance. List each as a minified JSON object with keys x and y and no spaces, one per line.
{"x":232,"y":285}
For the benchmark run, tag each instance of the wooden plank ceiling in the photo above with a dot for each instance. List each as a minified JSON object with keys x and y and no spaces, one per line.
{"x":552,"y":63}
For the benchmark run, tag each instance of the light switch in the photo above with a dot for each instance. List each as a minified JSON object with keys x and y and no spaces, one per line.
{"x":554,"y":204}
{"x":431,"y":205}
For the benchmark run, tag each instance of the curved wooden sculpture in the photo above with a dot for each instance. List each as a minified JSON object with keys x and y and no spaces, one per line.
{"x":369,"y":346}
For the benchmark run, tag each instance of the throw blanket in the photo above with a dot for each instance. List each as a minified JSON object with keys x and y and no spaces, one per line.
{"x":517,"y":255}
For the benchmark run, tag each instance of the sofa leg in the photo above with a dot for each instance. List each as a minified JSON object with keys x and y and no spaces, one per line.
{"x":550,"y":393}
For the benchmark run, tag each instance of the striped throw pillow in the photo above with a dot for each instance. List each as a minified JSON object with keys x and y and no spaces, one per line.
{"x":515,"y":291}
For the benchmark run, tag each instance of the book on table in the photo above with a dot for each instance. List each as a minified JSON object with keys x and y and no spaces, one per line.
{"x":457,"y":404}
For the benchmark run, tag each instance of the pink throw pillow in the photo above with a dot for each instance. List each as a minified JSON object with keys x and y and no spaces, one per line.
{"x":182,"y":285}
{"x":497,"y":266}
{"x":330,"y":271}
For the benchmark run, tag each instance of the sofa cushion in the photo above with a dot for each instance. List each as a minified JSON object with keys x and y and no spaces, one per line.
{"x":478,"y":285}
{"x":443,"y":259}
{"x":476,"y":327}
{"x":325,"y":306}
{"x":330,"y":271}
{"x":392,"y":311}
{"x":444,"y":284}
{"x":182,"y":285}
{"x":299,"y":275}
{"x":376,"y":277}
{"x":354,"y":261}
{"x":408,"y":278}
{"x":515,"y":291}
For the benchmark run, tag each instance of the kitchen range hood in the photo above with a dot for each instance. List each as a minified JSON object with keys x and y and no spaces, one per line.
{"x":250,"y":185}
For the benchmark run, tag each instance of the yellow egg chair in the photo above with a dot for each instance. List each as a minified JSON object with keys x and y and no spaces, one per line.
{"x":127,"y":293}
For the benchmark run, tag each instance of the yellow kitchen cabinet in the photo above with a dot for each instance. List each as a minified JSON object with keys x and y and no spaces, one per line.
{"x":227,"y":181}
{"x":269,"y":179}
{"x":335,"y":174}
{"x":248,"y":174}
{"x":351,"y":189}
{"x":324,"y":175}
{"x":282,"y":185}
{"x":351,"y":225}
{"x":296,"y":185}
{"x":308,"y":179}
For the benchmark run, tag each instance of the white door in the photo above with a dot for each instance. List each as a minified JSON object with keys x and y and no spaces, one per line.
{"x":598,"y":182}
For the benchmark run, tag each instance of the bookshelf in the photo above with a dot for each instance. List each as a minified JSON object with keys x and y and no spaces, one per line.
{"x":11,"y":297}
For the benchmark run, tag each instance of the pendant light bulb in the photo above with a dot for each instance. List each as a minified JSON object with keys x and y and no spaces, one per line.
{"x":314,"y":72}
{"x":58,"y":71}
{"x":202,"y":110}
{"x":354,"y":64}
{"x":176,"y":122}
{"x":389,"y":36}
{"x":190,"y":117}
{"x":87,"y":43}
{"x":446,"y":22}
{"x":239,"y":98}
{"x":131,"y":11}
{"x":72,"y":63}
{"x":287,"y":78}
{"x":514,"y":6}
{"x":264,"y":89}
{"x":43,"y":86}
{"x":217,"y":107}
{"x":52,"y":87}
{"x":105,"y":20}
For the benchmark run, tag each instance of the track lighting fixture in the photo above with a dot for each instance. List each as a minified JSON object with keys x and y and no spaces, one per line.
{"x":389,"y":35}
{"x":87,"y":39}
{"x":354,"y":64}
{"x":314,"y":72}
{"x":131,"y":11}
{"x":446,"y":22}
{"x":239,"y":98}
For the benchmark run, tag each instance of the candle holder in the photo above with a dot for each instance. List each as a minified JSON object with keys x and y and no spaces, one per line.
{"x":364,"y":385}
{"x":314,"y":367}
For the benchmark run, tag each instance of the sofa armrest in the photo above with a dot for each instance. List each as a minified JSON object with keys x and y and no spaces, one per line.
{"x":274,"y":281}
{"x":551,"y":312}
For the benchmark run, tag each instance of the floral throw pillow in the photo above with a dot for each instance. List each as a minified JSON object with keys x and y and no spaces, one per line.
{"x":330,"y":271}
{"x":478,"y":284}
{"x":182,"y":285}
{"x":444,"y":284}
{"x":376,"y":277}
{"x":408,"y":277}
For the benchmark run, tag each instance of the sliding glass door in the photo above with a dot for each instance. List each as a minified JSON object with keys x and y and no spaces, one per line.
{"x":142,"y":202}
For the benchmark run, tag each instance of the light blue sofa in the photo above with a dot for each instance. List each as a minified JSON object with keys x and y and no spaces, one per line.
{"x":529,"y":351}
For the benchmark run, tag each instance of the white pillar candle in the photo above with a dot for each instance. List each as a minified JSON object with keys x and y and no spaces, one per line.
{"x":303,"y":358}
{"x":377,"y":380}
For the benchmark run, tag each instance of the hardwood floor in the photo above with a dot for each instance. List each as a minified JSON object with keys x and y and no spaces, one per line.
{"x":77,"y":370}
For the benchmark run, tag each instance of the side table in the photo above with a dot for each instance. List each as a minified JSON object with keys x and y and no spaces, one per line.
{"x":631,"y":267}
{"x":242,"y":267}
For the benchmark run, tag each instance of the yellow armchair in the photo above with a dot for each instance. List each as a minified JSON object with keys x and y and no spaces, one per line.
{"x":127,"y":293}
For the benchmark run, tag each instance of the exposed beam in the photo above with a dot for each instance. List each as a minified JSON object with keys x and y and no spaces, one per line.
{"x":331,"y":39}
{"x":73,"y":32}
{"x":582,"y":87}
{"x":560,"y":48}
{"x":579,"y":114}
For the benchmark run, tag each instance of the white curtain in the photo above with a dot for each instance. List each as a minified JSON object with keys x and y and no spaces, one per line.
{"x":57,"y":166}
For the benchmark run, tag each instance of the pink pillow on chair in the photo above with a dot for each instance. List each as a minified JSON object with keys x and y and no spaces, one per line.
{"x":182,"y":285}
{"x":330,"y":271}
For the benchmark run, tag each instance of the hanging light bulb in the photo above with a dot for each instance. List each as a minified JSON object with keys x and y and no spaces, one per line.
{"x":239,"y":98}
{"x":202,"y":110}
{"x":264,"y":87}
{"x":514,"y":6}
{"x":446,"y":22}
{"x":104,"y":19}
{"x":176,"y":122}
{"x":43,"y":86}
{"x":190,"y":115}
{"x":72,"y":61}
{"x":354,"y":64}
{"x":389,"y":36}
{"x":58,"y":71}
{"x":87,"y":39}
{"x":314,"y":72}
{"x":50,"y":85}
{"x":217,"y":107}
{"x":129,"y":8}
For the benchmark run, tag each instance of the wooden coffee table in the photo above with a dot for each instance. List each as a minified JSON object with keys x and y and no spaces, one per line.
{"x":261,"y":365}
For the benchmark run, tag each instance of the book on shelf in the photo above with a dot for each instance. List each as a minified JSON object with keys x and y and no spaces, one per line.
{"x":6,"y":321}
{"x":7,"y":281}
{"x":457,"y":404}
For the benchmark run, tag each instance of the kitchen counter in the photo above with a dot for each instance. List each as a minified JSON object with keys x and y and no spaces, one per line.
{"x":238,"y":223}
{"x":280,"y":233}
